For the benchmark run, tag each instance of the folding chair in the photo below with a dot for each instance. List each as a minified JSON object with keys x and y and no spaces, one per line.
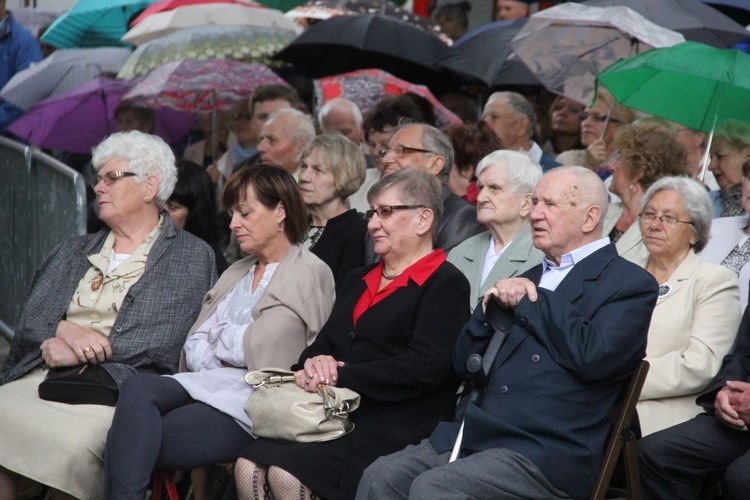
{"x":622,"y":439}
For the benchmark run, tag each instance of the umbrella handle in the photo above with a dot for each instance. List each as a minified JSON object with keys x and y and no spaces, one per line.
{"x":606,"y":122}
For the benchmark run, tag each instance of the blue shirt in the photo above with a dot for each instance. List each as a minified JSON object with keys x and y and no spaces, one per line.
{"x":552,"y":275}
{"x":18,"y":49}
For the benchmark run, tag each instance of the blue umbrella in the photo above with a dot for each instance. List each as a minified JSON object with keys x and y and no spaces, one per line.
{"x":93,"y":23}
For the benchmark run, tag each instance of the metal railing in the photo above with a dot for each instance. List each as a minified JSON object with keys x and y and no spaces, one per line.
{"x":42,"y":203}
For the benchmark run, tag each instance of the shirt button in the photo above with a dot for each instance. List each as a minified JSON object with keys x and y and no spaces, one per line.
{"x":523,"y":321}
{"x":352,"y":335}
{"x":504,"y":389}
{"x":535,"y":358}
{"x":118,"y":329}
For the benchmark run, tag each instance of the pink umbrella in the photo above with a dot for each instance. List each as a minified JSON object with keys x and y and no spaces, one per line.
{"x":78,"y":120}
{"x":367,"y":86}
{"x":173,"y":4}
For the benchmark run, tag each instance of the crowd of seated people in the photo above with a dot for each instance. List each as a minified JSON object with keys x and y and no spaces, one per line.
{"x":354,"y":261}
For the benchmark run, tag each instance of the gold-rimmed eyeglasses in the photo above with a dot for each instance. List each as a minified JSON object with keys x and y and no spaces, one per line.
{"x":111,"y":177}
{"x":666,"y":220}
{"x":386,"y":211}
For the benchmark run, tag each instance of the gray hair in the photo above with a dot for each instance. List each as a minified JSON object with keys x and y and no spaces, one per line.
{"x":434,"y":140}
{"x":696,"y":201}
{"x":341,"y":104}
{"x":519,"y":105}
{"x":345,"y":159}
{"x":521,"y":172}
{"x":144,"y":154}
{"x":300,"y":127}
{"x":414,"y":187}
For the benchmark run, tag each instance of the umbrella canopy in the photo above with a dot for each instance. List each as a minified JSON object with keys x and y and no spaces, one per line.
{"x":62,"y":71}
{"x":207,"y":42}
{"x":367,"y":86}
{"x":696,"y":21}
{"x":200,"y":85}
{"x":326,"y":9}
{"x":715,"y":82}
{"x":282,"y":5}
{"x":469,"y":60}
{"x":226,"y":14}
{"x":93,"y":23}
{"x":78,"y":120}
{"x":165,"y":5}
{"x":347,"y":43}
{"x":566,"y":46}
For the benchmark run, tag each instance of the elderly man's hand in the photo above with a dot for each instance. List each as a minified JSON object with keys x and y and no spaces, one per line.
{"x":509,"y":292}
{"x":732,"y":405}
{"x":89,"y":346}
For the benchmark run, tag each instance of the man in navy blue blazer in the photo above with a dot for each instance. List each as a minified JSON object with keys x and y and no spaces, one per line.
{"x":577,"y":329}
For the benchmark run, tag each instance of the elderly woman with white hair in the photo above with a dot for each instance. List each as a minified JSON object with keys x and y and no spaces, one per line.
{"x":505,"y":183}
{"x":697,"y":312}
{"x":117,"y":302}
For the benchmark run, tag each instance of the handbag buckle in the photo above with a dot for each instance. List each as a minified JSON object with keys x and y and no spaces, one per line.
{"x":274,"y":379}
{"x":333,"y":412}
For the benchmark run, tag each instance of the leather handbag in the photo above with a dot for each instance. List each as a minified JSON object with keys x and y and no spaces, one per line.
{"x":280,"y":409}
{"x":79,"y":385}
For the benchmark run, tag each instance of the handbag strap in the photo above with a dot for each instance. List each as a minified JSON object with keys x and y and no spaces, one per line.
{"x":274,"y":379}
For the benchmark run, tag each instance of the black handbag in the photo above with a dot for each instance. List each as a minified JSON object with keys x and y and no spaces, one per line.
{"x":79,"y":385}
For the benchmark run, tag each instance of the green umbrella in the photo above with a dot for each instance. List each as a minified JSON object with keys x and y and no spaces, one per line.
{"x":282,"y":5}
{"x":689,"y":83}
{"x":93,"y":23}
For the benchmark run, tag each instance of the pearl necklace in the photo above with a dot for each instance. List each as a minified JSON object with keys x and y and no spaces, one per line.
{"x":389,"y":276}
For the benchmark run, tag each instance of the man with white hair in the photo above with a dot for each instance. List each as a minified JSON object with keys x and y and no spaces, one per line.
{"x":284,"y":136}
{"x":343,"y":116}
{"x":512,"y":119}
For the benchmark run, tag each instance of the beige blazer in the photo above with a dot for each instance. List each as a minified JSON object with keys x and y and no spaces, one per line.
{"x":288,"y":316}
{"x":691,"y":330}
{"x":468,"y":257}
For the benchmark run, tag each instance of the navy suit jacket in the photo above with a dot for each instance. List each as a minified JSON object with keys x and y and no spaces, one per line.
{"x":554,"y":382}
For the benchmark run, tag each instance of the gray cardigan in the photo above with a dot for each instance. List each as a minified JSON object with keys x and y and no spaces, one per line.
{"x":153,"y":319}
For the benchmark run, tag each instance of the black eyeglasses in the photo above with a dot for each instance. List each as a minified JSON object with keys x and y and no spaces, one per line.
{"x":399,"y":151}
{"x":111,"y":177}
{"x":597,"y":117}
{"x":667,"y":220}
{"x":387,"y":210}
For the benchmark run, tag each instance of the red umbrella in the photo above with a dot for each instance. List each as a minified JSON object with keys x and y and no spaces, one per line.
{"x":200,"y":85}
{"x":173,"y":4}
{"x":367,"y":86}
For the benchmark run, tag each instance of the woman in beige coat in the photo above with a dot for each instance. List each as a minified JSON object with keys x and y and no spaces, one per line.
{"x":263,"y":312}
{"x":697,"y":313}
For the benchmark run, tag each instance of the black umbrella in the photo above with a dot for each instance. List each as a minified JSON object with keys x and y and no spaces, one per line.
{"x":485,"y":56}
{"x":347,"y":43}
{"x":696,"y":21}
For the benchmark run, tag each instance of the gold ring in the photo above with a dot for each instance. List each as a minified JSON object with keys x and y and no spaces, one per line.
{"x":317,"y":360}
{"x":88,"y":349}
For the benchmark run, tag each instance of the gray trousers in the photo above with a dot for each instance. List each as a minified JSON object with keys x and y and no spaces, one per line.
{"x":419,"y":473}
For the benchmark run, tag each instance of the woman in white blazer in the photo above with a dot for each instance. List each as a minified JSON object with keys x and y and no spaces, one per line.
{"x":697,"y":312}
{"x":729,"y":244}
{"x":505,"y":181}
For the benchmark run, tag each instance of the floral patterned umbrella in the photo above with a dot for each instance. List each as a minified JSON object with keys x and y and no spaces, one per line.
{"x":367,"y":86}
{"x":207,"y":42}
{"x":200,"y":85}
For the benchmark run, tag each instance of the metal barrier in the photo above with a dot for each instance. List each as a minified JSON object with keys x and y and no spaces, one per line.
{"x":42,"y":202}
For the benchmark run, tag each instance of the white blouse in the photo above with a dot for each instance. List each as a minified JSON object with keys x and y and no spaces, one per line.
{"x":214,"y":353}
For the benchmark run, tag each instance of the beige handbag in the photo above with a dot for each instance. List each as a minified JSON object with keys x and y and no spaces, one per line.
{"x":280,"y":409}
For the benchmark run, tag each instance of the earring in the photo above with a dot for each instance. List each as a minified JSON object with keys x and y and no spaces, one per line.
{"x":279,"y":227}
{"x":146,"y":199}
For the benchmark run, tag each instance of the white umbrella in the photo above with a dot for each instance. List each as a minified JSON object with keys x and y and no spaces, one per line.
{"x":64,"y":70}
{"x":222,"y":14}
{"x":567,"y":45}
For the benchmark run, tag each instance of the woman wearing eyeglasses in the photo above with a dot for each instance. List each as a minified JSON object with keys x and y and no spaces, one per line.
{"x":598,"y":126}
{"x":644,"y":153}
{"x":122,"y":298}
{"x":697,"y":312}
{"x":390,"y":338}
